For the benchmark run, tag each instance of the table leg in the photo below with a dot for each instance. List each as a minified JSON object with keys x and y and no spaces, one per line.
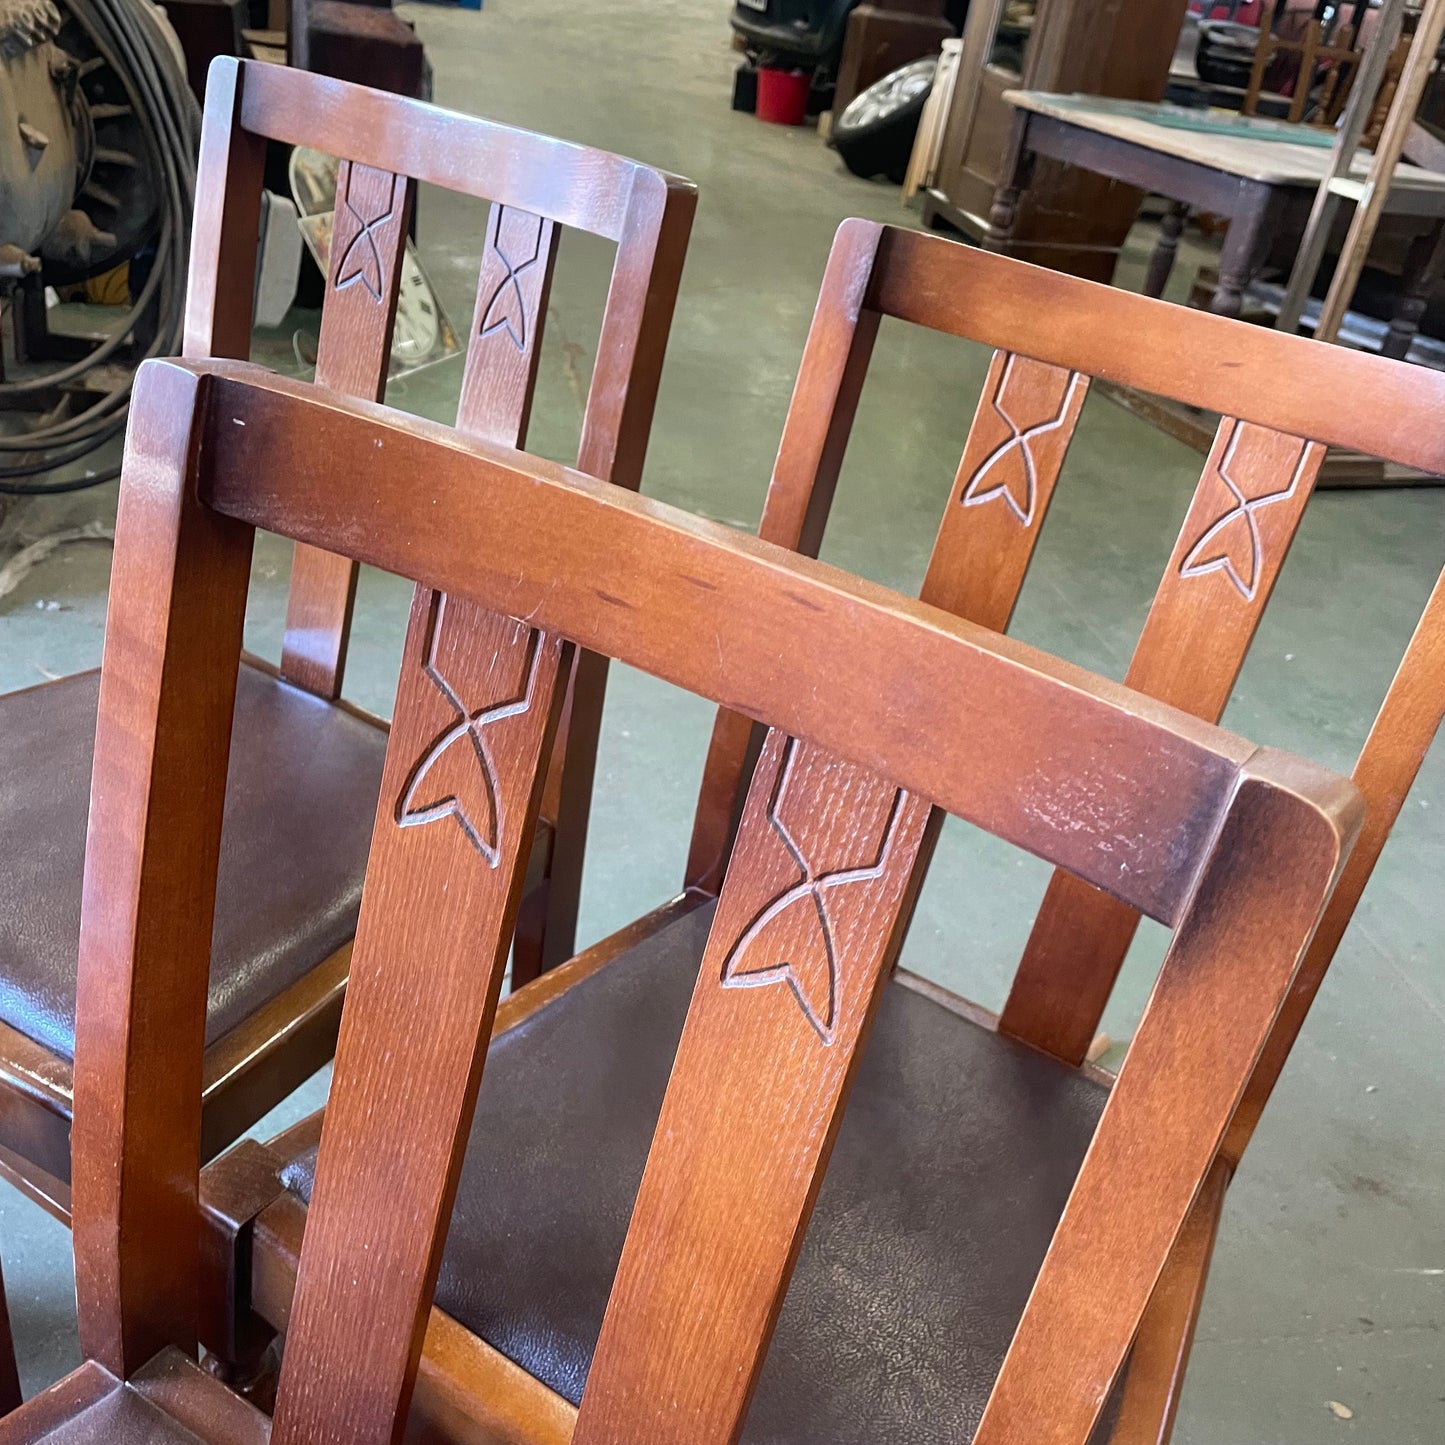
{"x":1424,"y":265}
{"x":1161,"y":260}
{"x":1251,"y":228}
{"x":1017,"y":173}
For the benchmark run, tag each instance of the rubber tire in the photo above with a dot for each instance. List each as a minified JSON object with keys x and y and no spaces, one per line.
{"x":881,"y":142}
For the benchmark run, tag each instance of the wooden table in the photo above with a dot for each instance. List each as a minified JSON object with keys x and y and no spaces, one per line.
{"x":1263,"y":186}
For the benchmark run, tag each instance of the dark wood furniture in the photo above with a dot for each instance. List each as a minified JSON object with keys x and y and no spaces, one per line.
{"x":880,"y":709}
{"x":581,"y":1058}
{"x":1073,"y":220}
{"x":880,"y":38}
{"x":1264,"y":187}
{"x":306,"y":764}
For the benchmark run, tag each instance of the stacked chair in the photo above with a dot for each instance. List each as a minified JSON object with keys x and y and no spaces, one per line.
{"x":729,"y":1174}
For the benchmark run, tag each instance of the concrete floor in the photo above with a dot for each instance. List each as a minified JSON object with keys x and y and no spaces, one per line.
{"x":1329,"y":1282}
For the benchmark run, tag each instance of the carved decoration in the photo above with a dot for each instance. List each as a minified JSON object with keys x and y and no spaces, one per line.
{"x":456,"y":777}
{"x":506,"y":309}
{"x":1231,"y":544}
{"x":792,"y":936}
{"x":361,"y":261}
{"x":1010,"y":470}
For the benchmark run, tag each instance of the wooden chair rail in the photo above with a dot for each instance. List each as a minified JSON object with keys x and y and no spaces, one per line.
{"x":1142,"y":343}
{"x":491,"y":504}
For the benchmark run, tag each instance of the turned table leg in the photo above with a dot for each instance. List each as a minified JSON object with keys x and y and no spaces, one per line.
{"x":1017,"y":173}
{"x":1161,"y":260}
{"x":1424,"y":265}
{"x":1251,"y":228}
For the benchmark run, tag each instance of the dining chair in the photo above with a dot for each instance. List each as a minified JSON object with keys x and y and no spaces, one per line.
{"x":306,"y":763}
{"x":879,"y":710}
{"x":530,"y":1260}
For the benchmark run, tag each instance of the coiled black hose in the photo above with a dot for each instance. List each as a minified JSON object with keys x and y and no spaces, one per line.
{"x":129,"y":36}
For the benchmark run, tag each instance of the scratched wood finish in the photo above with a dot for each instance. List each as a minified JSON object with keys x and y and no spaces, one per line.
{"x":368,"y":239}
{"x":795,"y":960}
{"x":460,"y":790}
{"x":1241,"y":521}
{"x":1011,"y":461}
{"x":483,"y":503}
{"x":1229,"y":968}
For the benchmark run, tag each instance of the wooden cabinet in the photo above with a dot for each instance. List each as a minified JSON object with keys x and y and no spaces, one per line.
{"x":1072,"y":220}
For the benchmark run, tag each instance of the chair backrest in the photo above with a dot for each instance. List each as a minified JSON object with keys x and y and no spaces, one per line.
{"x":1052,"y":333}
{"x":537,"y":186}
{"x":880,"y":707}
{"x":1334,"y":43}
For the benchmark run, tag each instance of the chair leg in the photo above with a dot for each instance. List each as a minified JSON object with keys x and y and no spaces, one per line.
{"x":530,"y":935}
{"x":1166,"y":1333}
{"x":10,"y":1396}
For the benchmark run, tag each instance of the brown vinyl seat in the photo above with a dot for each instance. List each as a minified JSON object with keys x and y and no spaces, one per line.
{"x":301,"y":795}
{"x":949,"y":1175}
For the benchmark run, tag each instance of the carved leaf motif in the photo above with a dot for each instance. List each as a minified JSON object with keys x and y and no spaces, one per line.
{"x":506,"y":310}
{"x":790,"y":941}
{"x":1010,"y":471}
{"x":456,"y":777}
{"x":1231,"y":544}
{"x":361,"y":261}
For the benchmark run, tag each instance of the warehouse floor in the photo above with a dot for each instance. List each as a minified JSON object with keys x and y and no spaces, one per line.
{"x":1329,"y":1282}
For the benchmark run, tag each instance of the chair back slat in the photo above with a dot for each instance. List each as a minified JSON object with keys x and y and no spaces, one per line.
{"x":1246,"y":508}
{"x":368,"y":240}
{"x":799,"y":947}
{"x":475,"y":705}
{"x":505,"y":344}
{"x":1006,"y":476}
{"x":1011,"y":460}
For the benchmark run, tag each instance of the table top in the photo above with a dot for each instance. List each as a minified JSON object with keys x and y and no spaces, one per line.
{"x":1252,"y":157}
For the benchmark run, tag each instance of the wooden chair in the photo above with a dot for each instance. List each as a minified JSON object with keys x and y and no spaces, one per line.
{"x":530,"y":1260}
{"x":306,"y":764}
{"x":876,"y":705}
{"x":1318,"y":58}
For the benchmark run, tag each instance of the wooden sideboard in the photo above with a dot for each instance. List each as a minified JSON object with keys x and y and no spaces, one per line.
{"x":1073,"y":220}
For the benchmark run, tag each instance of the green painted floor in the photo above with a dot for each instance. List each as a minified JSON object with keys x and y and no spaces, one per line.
{"x":1329,"y":1282}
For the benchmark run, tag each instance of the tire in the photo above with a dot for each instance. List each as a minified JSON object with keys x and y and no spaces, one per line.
{"x":875,"y":133}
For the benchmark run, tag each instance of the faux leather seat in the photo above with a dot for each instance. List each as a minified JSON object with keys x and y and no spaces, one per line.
{"x":950,"y":1172}
{"x":300,"y":803}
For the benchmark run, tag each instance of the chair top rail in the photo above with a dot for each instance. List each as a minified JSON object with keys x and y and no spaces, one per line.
{"x":572,"y":184}
{"x":1251,"y":373}
{"x":1122,"y":791}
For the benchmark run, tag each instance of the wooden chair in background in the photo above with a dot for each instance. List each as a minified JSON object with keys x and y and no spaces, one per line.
{"x":581,"y":1058}
{"x":307,"y":764}
{"x":1318,"y":58}
{"x":879,"y":709}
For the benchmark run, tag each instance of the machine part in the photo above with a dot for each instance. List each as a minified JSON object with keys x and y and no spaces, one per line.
{"x":874,"y":134}
{"x":46,"y":134}
{"x":134,"y":129}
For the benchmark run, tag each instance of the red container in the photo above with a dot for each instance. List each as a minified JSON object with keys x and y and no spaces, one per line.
{"x":783,"y":95}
